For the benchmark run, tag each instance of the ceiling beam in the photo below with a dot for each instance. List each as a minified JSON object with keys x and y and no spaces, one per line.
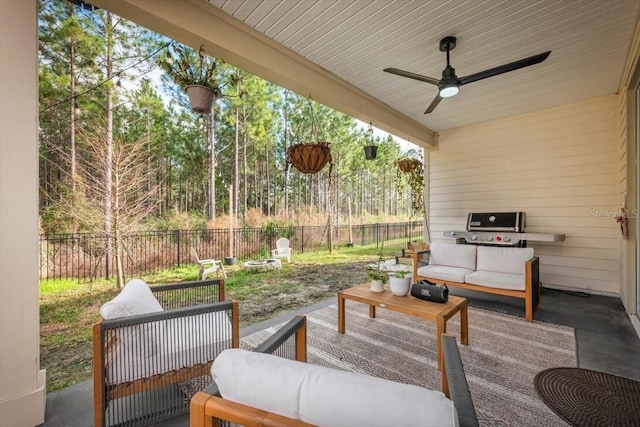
{"x":197,"y":23}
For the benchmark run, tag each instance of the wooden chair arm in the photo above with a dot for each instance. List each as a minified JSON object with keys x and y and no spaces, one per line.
{"x":205,"y":409}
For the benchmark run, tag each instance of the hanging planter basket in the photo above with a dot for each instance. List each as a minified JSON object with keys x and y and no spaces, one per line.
{"x":370,"y":152}
{"x":408,"y":165}
{"x":201,"y":98}
{"x":309,"y":158}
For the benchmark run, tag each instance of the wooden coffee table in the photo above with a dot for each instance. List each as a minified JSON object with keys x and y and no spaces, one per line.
{"x":435,"y":312}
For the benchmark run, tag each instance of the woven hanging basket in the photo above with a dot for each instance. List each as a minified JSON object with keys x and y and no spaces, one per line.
{"x":201,"y":98}
{"x":309,"y":158}
{"x":407,"y":165}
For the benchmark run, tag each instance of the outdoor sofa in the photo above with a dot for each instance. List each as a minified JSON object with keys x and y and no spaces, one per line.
{"x":508,"y":271}
{"x":154,"y":346}
{"x":259,"y":389}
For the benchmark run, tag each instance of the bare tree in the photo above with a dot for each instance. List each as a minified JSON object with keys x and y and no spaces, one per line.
{"x":119,"y":175}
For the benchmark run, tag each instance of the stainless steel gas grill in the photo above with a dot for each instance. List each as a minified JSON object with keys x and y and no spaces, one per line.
{"x":500,"y":229}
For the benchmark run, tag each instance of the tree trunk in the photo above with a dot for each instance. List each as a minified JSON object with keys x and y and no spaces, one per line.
{"x":72,"y":111}
{"x":108,"y":212}
{"x":236,"y":159}
{"x":212,"y":167}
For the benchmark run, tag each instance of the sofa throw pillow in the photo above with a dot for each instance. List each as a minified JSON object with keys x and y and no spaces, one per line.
{"x":135,"y":298}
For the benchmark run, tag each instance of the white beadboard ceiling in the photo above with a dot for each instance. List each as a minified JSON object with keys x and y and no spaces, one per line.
{"x":355,"y":39}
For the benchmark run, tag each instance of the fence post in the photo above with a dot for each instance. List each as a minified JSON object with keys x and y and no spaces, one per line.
{"x":177,"y":235}
{"x":302,"y":233}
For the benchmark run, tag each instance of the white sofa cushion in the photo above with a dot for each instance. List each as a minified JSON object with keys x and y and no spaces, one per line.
{"x":325,"y":396}
{"x":448,"y":274}
{"x":503,"y":260}
{"x":492,"y":279}
{"x":453,"y":255}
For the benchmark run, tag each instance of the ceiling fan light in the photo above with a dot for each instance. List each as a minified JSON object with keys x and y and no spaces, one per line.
{"x":449,"y":90}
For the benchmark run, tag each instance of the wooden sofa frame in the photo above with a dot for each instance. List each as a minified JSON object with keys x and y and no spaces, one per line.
{"x":530,"y":294}
{"x":178,"y":301}
{"x":209,"y":409}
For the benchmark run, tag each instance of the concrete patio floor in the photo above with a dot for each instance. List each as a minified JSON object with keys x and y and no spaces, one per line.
{"x":606,"y":341}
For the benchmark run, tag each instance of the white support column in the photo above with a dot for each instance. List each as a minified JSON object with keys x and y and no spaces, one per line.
{"x":22,"y":382}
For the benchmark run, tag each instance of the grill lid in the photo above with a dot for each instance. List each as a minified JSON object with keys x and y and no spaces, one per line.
{"x":496,"y":221}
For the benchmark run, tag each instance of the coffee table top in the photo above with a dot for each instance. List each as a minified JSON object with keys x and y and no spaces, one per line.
{"x":406,"y":304}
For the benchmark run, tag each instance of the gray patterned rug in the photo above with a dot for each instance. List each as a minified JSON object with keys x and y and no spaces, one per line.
{"x":502,"y":358}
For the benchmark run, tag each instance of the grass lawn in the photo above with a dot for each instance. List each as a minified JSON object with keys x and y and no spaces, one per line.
{"x":68,"y":309}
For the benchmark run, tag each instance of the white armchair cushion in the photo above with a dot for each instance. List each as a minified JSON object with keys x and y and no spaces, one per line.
{"x":503,"y":260}
{"x":176,"y":343}
{"x":441,"y":272}
{"x":452,"y":255}
{"x":324,"y":396}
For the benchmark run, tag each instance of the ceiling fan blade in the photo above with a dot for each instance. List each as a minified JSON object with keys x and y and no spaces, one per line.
{"x":535,"y":59}
{"x":412,"y":75}
{"x":434,"y":104}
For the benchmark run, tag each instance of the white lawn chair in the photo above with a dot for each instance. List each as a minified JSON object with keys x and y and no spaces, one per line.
{"x":208,"y":266}
{"x":282,"y":249}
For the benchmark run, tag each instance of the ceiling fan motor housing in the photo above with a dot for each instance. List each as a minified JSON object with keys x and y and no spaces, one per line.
{"x":447,"y":43}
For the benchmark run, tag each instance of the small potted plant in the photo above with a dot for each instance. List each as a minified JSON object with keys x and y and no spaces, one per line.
{"x":378,"y":278}
{"x":400,"y":282}
{"x":377,"y":274}
{"x":195,"y":72}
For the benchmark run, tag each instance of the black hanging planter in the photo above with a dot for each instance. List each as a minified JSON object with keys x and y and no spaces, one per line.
{"x":370,"y":152}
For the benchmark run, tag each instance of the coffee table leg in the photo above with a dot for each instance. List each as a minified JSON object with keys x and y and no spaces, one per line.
{"x":340,"y":313}
{"x":464,"y":325}
{"x":372,"y":311}
{"x":442,"y":328}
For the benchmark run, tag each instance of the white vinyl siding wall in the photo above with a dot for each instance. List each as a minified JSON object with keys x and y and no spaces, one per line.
{"x":560,"y":166}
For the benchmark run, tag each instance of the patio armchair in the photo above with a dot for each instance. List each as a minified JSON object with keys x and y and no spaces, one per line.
{"x":154,"y":346}
{"x":265,"y":391}
{"x":283,"y":250}
{"x":208,"y":266}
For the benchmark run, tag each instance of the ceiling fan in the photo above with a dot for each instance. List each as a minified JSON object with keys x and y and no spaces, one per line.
{"x":449,"y":84}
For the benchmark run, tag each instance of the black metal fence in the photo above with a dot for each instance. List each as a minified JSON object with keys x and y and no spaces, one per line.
{"x":84,"y":255}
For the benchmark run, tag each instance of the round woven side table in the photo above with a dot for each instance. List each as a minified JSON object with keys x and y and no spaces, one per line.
{"x":587,"y":398}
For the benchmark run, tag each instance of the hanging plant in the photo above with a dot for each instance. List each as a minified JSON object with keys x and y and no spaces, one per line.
{"x":371,"y":149}
{"x":408,"y":164}
{"x":310,"y":157}
{"x":411,"y":172}
{"x":195,"y":72}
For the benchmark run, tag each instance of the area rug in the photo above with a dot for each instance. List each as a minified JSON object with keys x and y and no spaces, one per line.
{"x":502,"y":358}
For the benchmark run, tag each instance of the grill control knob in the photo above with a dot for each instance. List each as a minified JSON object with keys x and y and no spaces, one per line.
{"x":507,"y":238}
{"x":489,"y":238}
{"x":498,"y":238}
{"x":474,"y":237}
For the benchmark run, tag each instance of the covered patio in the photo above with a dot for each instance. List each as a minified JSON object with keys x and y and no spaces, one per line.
{"x":557,"y":140}
{"x":604,"y":339}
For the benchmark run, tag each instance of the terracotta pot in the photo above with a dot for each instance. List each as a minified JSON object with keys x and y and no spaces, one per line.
{"x":370,"y":152}
{"x":309,"y":158}
{"x":201,"y":98}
